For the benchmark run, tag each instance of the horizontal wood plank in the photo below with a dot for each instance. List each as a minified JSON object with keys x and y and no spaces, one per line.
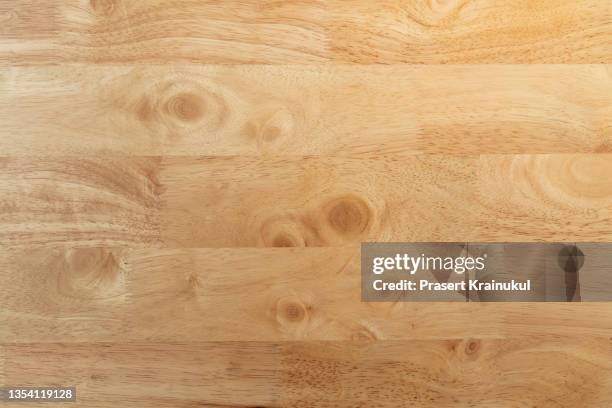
{"x":178,"y":202}
{"x":152,"y":374}
{"x":545,"y":197}
{"x":98,"y":294}
{"x":126,"y":32}
{"x":79,"y":201}
{"x":542,"y":372}
{"x":277,"y":294}
{"x":305,"y":32}
{"x":298,"y":110}
{"x":323,"y":201}
{"x":318,"y":201}
{"x":471,"y":31}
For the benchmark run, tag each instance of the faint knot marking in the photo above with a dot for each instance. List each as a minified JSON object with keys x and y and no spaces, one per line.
{"x":186,"y":107}
{"x":90,"y":273}
{"x":290,"y":310}
{"x":284,"y":240}
{"x":437,"y":13}
{"x":103,"y":7}
{"x":97,"y":377}
{"x":145,"y":111}
{"x":282,"y":231}
{"x":363,"y":334}
{"x":472,"y":347}
{"x":8,"y":16}
{"x":270,"y":126}
{"x":193,"y":282}
{"x":278,"y":124}
{"x":348,"y":215}
{"x":446,"y":7}
{"x":605,"y":147}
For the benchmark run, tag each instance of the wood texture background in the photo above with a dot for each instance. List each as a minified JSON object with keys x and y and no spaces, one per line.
{"x":184,"y":186}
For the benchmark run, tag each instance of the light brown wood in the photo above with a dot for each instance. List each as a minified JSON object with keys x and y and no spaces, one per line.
{"x":318,"y":201}
{"x":289,"y":110}
{"x":548,"y":197}
{"x":164,"y":375}
{"x":209,"y":295}
{"x":506,"y":373}
{"x":185,"y":184}
{"x":471,"y":31}
{"x":278,"y":294}
{"x":312,"y":201}
{"x":81,"y":201}
{"x":305,"y":32}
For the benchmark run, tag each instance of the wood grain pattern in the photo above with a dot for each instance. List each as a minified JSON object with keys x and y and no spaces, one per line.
{"x":118,"y":31}
{"x":289,"y":110}
{"x":335,"y":201}
{"x":305,"y":32}
{"x":146,"y":374}
{"x":185,"y":184}
{"x":471,"y":31}
{"x":558,"y":196}
{"x":277,"y":294}
{"x":97,"y":294}
{"x":85,"y":201}
{"x":317,"y":201}
{"x":469,"y":372}
{"x":321,"y":201}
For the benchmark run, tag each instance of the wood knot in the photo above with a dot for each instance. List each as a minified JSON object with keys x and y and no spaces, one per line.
{"x":98,"y":377}
{"x":193,"y":282}
{"x":282,"y":232}
{"x":348,"y":215}
{"x":269,"y":127}
{"x":175,"y":105}
{"x":285,"y":240}
{"x":186,"y":107}
{"x":294,"y":312}
{"x":581,"y":180}
{"x":472,"y":347}
{"x":444,"y":8}
{"x":291,"y":311}
{"x":436,"y":13}
{"x":278,"y":124}
{"x":90,"y":273}
{"x":363,"y":334}
{"x":605,"y":147}
{"x":103,"y":7}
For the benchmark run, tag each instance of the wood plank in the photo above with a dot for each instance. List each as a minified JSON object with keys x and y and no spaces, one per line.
{"x":542,"y":372}
{"x":79,"y":201}
{"x":277,"y":294}
{"x":323,"y":201}
{"x":471,"y":31}
{"x":305,"y":32}
{"x":534,"y":372}
{"x":317,"y":201}
{"x":98,"y":295}
{"x":152,"y":374}
{"x":300,"y":110}
{"x":27,"y":20}
{"x":125,"y":32}
{"x":178,"y":202}
{"x":545,"y":197}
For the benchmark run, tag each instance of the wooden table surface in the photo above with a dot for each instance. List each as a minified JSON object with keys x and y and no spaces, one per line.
{"x":184,"y":187}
